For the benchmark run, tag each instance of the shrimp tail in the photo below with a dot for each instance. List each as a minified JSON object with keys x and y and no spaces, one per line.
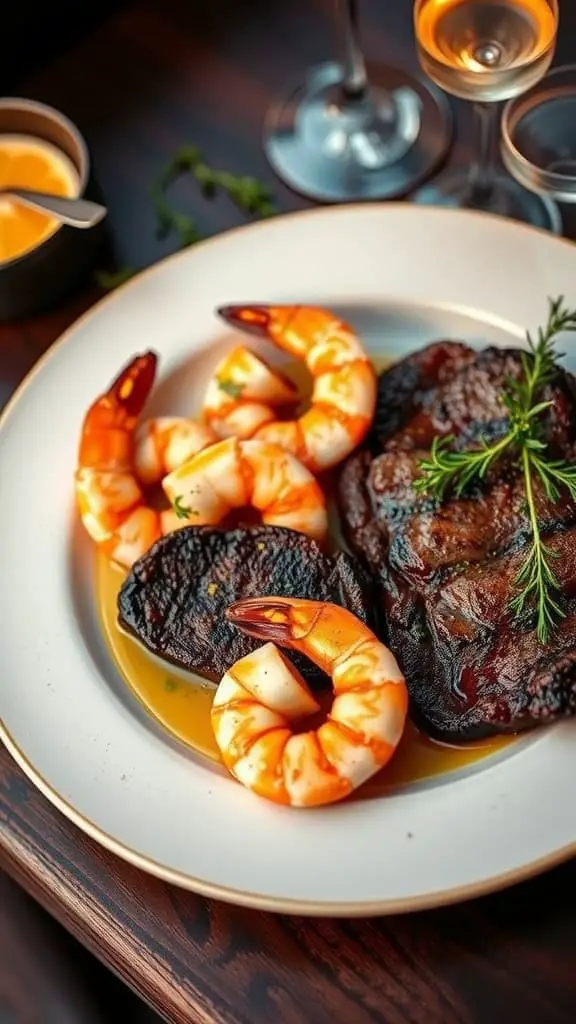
{"x":259,"y":320}
{"x":134,"y":383}
{"x":279,"y":620}
{"x":123,"y":401}
{"x":112,"y":417}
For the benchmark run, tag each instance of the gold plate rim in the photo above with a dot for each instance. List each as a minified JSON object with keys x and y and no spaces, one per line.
{"x":281,"y":904}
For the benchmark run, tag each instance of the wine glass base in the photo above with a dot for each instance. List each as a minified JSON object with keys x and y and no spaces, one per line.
{"x":377,"y":147}
{"x":507,"y":199}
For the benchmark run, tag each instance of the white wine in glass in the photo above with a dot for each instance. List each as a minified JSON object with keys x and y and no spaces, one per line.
{"x":487,"y":51}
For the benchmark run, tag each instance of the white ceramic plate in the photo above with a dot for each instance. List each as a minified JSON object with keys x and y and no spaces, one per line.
{"x":404,"y":276}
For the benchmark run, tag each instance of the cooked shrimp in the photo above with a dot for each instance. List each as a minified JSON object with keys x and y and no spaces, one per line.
{"x":260,"y":697}
{"x":234,"y":474}
{"x":344,"y":395}
{"x":164,"y":443}
{"x":110,"y":500}
{"x":243,"y":393}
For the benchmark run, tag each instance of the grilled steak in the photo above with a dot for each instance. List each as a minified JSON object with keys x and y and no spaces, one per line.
{"x":174,"y":599}
{"x":445,"y":571}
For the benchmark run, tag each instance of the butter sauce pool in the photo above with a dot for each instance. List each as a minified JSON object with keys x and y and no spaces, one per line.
{"x":183,"y":708}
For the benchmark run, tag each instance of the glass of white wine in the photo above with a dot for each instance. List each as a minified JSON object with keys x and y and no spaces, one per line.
{"x":487,"y":51}
{"x":352,"y":131}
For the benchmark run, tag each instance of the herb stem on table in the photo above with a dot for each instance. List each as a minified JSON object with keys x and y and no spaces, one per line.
{"x":446,"y":469}
{"x":110,"y":279}
{"x":248,"y":194}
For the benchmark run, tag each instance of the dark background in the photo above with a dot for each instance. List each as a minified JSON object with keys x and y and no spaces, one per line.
{"x":141,"y":80}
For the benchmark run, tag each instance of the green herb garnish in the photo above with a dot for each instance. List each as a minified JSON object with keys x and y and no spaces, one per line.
{"x":231,"y":388}
{"x":183,"y":511}
{"x":248,"y":194}
{"x":170,"y":685}
{"x":114,"y":278}
{"x":447,"y":469}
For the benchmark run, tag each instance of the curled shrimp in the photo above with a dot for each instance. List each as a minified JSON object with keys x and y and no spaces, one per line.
{"x":344,"y":394}
{"x":243,"y":393}
{"x":262,"y":695}
{"x":233,"y":474}
{"x":110,"y":500}
{"x":164,"y":443}
{"x":242,"y":396}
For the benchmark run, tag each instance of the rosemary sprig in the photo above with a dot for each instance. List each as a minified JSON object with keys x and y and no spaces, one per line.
{"x":539,"y":362}
{"x":554,"y":475}
{"x":536,"y":577}
{"x":446,"y":468}
{"x":455,"y":470}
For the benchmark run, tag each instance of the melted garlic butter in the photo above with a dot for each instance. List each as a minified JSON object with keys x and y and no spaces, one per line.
{"x":183,"y":708}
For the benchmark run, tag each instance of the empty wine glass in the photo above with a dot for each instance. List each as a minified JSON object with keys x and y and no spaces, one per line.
{"x":487,"y":51}
{"x":345,"y":134}
{"x":539,"y":136}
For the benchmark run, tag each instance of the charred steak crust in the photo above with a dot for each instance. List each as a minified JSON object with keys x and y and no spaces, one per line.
{"x":445,"y":572}
{"x":174,"y":599}
{"x":408,"y":388}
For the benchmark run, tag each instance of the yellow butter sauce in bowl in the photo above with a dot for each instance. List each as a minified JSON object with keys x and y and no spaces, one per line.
{"x":31,"y":163}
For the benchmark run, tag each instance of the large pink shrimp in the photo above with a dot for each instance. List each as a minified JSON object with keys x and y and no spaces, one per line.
{"x":242,"y":395}
{"x":234,"y":474}
{"x":262,"y":695}
{"x":111,"y":502}
{"x":344,"y":395}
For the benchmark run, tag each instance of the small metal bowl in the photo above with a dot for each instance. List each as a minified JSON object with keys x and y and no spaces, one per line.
{"x":37,"y":279}
{"x":539,"y":136}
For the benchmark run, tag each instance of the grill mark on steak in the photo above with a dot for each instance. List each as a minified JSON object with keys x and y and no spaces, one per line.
{"x":174,"y":599}
{"x":407,"y":388}
{"x":445,"y":572}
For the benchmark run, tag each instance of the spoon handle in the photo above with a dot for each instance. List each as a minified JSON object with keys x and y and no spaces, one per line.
{"x":80,"y":213}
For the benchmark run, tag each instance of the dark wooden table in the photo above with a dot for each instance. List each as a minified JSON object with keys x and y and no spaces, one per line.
{"x":140,"y":83}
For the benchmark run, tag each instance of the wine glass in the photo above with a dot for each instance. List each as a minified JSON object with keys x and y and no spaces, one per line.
{"x":538,"y":145}
{"x":345,"y":134}
{"x":487,"y":51}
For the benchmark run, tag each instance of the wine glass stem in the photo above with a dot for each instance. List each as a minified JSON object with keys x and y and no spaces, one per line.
{"x":355,"y":82}
{"x":483,"y":172}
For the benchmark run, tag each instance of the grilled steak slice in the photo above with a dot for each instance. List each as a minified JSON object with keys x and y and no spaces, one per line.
{"x":174,"y":599}
{"x":408,"y":388}
{"x":445,"y":572}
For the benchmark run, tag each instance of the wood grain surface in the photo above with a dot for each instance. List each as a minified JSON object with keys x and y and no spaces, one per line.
{"x":140,"y":82}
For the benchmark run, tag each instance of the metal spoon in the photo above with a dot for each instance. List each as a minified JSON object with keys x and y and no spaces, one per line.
{"x":79,"y":213}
